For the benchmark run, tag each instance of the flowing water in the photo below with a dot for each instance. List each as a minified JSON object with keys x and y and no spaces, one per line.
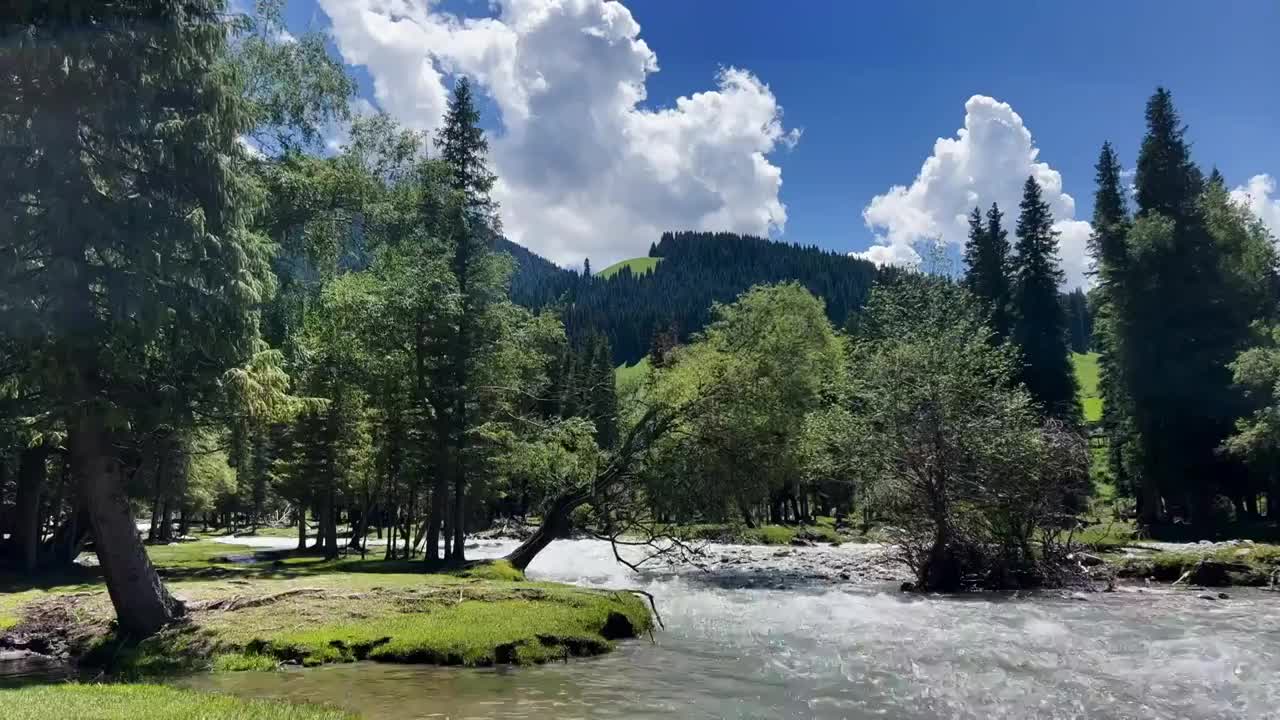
{"x":845,"y":651}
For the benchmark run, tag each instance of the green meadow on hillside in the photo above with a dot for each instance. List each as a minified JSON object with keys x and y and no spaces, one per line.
{"x":1086,"y":367}
{"x":639,"y":266}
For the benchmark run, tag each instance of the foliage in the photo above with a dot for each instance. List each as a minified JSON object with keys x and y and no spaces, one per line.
{"x":988,"y":267}
{"x":753,"y":375}
{"x":961,"y":462}
{"x":696,"y":269}
{"x":1039,"y":324}
{"x":1192,"y":274}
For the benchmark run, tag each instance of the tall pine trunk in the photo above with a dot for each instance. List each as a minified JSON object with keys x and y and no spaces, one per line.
{"x":459,"y":509}
{"x":143,"y":604}
{"x":26,"y":511}
{"x":302,"y":526}
{"x":439,"y":505}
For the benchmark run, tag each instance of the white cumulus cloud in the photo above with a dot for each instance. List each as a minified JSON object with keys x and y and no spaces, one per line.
{"x":1259,"y":195}
{"x":987,"y":161}
{"x":585,"y":169}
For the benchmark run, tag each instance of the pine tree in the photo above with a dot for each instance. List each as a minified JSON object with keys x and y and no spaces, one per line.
{"x":472,"y":228}
{"x":1179,"y":321}
{"x":1167,"y":180}
{"x":586,"y":268}
{"x":1109,"y":249}
{"x":603,"y":394}
{"x":1039,"y":325}
{"x":463,"y":147}
{"x":986,"y":255}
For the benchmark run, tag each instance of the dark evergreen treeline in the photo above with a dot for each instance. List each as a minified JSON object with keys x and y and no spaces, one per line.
{"x":698,"y":269}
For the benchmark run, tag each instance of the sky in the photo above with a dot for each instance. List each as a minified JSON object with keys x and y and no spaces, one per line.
{"x":866,"y":128}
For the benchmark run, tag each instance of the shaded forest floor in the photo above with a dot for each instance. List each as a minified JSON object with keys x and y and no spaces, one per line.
{"x":257,"y":611}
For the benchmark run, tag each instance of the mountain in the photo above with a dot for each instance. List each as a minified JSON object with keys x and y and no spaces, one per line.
{"x":697,"y":269}
{"x":537,"y":282}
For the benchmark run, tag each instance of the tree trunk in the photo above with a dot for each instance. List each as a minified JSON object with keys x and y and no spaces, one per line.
{"x":459,"y":512}
{"x":143,"y":604}
{"x":1149,"y":503}
{"x":391,"y":535}
{"x":26,"y":510}
{"x":439,"y":495}
{"x":302,"y":526}
{"x":555,"y":524}
{"x":328,"y":526}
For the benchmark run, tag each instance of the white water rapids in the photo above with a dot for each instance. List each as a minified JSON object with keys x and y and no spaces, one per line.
{"x":848,"y":651}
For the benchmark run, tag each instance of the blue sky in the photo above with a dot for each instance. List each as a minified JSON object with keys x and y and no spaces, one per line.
{"x":869,"y":87}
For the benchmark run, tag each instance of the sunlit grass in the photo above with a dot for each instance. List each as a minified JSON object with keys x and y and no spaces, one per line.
{"x":1086,"y":369}
{"x":629,"y":377}
{"x":128,"y":702}
{"x":639,"y":266}
{"x":762,"y":535}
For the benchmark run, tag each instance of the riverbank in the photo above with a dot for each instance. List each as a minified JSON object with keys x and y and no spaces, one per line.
{"x":253,"y":610}
{"x":738,"y":645}
{"x":1233,"y":563}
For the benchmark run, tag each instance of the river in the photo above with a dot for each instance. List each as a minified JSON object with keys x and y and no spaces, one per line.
{"x":736,"y":647}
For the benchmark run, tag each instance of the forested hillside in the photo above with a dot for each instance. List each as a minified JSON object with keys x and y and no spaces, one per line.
{"x":698,"y":269}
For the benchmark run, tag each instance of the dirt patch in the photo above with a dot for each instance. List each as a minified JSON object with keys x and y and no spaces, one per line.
{"x":59,"y":627}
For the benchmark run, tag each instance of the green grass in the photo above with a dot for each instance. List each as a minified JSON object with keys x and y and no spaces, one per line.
{"x":520,"y":631}
{"x":239,"y":662}
{"x":127,"y":702}
{"x":639,"y":266}
{"x":389,"y":617}
{"x":627,"y":377}
{"x":1248,"y":565}
{"x":1086,"y":369}
{"x":302,"y":609}
{"x":1107,"y":535}
{"x":764,"y":535}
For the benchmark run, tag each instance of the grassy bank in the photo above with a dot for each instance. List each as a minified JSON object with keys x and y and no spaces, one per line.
{"x":127,"y":702}
{"x":823,"y":531}
{"x":1241,"y":565}
{"x":290,"y":609}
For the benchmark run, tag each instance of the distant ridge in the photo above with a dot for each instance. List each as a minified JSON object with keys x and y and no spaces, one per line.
{"x":696,"y":270}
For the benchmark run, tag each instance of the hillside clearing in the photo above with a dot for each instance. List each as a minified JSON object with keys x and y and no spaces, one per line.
{"x":639,"y":266}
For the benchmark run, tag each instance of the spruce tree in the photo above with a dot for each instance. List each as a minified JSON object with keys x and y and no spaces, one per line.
{"x":603,"y":394}
{"x":1108,"y":247}
{"x":986,"y":255}
{"x":1180,"y":318}
{"x":126,"y":199}
{"x":462,"y":145}
{"x":472,"y":227}
{"x":1167,"y":181}
{"x":1039,"y":324}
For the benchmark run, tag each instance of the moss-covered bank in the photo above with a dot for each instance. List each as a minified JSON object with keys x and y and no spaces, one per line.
{"x":302,"y":610}
{"x":1248,"y":565}
{"x":129,"y":702}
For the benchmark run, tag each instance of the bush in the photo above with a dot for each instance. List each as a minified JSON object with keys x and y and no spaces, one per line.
{"x":961,"y":461}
